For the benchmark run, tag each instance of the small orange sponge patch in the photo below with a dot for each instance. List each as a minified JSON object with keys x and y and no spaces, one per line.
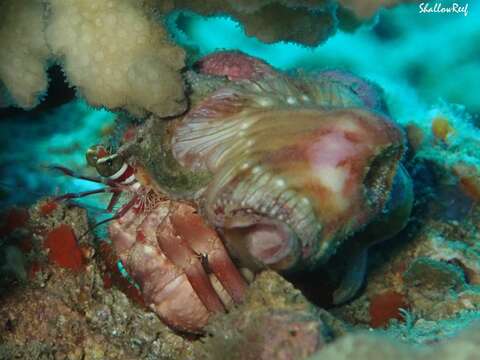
{"x":441,"y":128}
{"x":63,"y":248}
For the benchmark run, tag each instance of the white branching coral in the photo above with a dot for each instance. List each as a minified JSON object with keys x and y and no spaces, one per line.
{"x":23,"y":52}
{"x":113,"y":52}
{"x":117,"y":55}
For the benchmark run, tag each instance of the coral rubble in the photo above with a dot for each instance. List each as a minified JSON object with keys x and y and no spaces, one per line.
{"x":271,"y":303}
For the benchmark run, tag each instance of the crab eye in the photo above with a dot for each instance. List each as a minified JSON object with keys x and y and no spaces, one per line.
{"x":108,"y":166}
{"x":91,"y":155}
{"x":94,"y":153}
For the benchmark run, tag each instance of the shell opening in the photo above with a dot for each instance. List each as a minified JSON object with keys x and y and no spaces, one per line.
{"x":265,"y":242}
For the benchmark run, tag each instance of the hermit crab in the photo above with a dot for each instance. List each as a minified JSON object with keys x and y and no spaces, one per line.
{"x":266,"y":170}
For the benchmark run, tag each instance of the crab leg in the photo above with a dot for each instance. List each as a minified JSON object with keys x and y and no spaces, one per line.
{"x":113,"y":201}
{"x":178,"y":251}
{"x":165,"y":287}
{"x":204,"y":241}
{"x":179,"y":262}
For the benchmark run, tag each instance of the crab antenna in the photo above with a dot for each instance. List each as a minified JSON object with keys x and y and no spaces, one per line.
{"x":122,"y":211}
{"x":68,"y":172}
{"x":86,"y":193}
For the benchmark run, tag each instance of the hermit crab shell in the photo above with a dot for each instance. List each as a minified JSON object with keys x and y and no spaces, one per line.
{"x":296,"y":166}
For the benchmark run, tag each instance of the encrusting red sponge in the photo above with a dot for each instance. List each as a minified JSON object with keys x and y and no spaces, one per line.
{"x":63,"y":248}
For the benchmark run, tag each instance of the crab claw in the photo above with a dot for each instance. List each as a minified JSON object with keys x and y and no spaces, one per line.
{"x":205,"y":242}
{"x":181,"y":265}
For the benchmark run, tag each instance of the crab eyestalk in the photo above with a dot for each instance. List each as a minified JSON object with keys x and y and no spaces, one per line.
{"x":94,"y":153}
